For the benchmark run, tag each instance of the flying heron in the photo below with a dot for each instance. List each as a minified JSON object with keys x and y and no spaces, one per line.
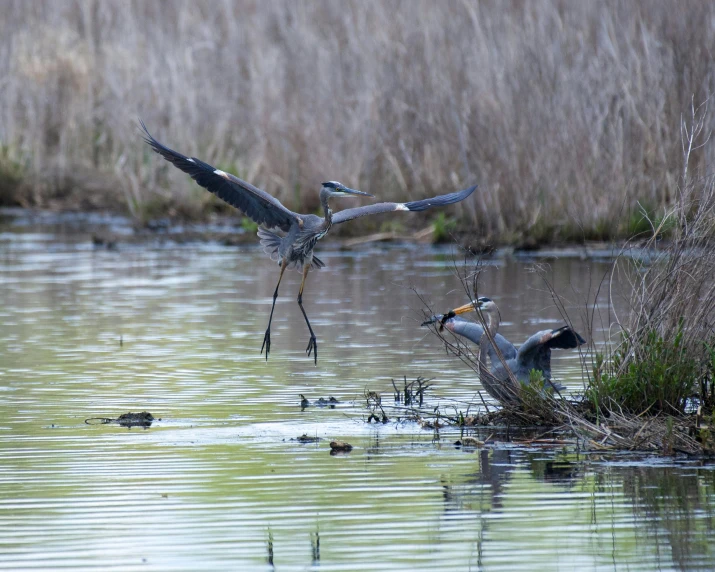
{"x":294,"y":249}
{"x":533,"y":354}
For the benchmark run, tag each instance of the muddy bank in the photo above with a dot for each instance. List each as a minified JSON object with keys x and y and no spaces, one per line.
{"x":115,"y":231}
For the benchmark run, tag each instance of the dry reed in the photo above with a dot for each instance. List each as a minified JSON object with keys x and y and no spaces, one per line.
{"x":567,"y":114}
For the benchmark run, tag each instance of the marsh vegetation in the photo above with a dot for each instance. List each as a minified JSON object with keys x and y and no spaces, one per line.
{"x":650,"y":382}
{"x":569,"y":116}
{"x":579,"y":121}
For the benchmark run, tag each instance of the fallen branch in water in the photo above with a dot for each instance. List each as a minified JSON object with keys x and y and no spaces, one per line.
{"x":423,"y":235}
{"x":143,"y":419}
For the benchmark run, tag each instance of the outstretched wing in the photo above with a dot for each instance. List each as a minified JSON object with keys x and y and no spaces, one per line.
{"x":538,"y":347}
{"x":255,"y":203}
{"x":473,"y":332}
{"x":565,"y":338}
{"x":414,"y":206}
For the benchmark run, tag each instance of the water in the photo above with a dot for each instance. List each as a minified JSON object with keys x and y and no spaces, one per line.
{"x":219,"y":484}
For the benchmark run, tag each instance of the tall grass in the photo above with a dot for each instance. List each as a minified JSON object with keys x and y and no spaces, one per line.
{"x":567,"y":114}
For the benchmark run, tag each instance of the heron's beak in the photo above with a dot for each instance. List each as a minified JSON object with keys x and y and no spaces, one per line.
{"x":452,"y":313}
{"x":464,"y":309}
{"x":354,"y":192}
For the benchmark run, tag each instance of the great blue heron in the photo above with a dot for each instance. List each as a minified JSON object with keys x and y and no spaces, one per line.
{"x":303,"y":231}
{"x":533,"y":354}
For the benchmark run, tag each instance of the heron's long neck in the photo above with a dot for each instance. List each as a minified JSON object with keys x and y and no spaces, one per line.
{"x":492,"y":322}
{"x":324,"y":196}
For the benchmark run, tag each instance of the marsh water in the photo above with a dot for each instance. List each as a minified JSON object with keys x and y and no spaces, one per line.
{"x":220,"y":483}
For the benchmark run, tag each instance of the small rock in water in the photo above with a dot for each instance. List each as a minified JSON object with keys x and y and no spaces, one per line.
{"x":143,"y":419}
{"x":340,"y":447}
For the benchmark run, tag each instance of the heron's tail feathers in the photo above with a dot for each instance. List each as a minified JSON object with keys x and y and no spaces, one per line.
{"x":271,"y":243}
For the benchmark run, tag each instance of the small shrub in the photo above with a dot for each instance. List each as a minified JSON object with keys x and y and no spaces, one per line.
{"x":652,"y":374}
{"x":443,"y":227}
{"x":12,"y":174}
{"x":248,"y":225}
{"x":393,"y":225}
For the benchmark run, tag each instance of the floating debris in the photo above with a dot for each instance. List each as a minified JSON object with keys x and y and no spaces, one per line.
{"x":322,"y":402}
{"x":373,"y":416}
{"x":305,"y":438}
{"x":469,"y":442}
{"x":143,"y":419}
{"x":430,"y":424}
{"x":374,"y":402}
{"x":104,"y":241}
{"x":340,"y":447}
{"x":373,"y":398}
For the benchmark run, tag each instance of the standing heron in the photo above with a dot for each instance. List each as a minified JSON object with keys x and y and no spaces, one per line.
{"x":302,"y":231}
{"x":533,"y":354}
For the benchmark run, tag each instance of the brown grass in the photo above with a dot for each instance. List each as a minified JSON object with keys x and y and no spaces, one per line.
{"x":566,"y":114}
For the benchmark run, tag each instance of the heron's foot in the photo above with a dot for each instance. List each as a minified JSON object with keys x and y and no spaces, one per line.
{"x":313,"y":347}
{"x":267,"y":343}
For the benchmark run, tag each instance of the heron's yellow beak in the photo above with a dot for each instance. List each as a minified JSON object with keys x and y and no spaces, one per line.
{"x":464,"y":309}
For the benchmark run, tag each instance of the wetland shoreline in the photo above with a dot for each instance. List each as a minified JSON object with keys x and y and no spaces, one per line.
{"x":111,"y":232}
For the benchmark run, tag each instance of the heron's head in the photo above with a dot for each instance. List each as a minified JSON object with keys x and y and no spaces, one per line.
{"x":336,"y":189}
{"x":483,"y":304}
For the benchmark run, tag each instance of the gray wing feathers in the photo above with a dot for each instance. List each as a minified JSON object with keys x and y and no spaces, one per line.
{"x":440,"y":200}
{"x":545,"y":341}
{"x":470,"y":330}
{"x":536,"y":343}
{"x":255,"y":203}
{"x":413,"y":206}
{"x":272,"y":242}
{"x":565,"y":339}
{"x":473,"y":331}
{"x":350,"y":214}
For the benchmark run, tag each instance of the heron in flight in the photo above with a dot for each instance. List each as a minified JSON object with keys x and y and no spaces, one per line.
{"x":533,"y":354}
{"x":294,"y":248}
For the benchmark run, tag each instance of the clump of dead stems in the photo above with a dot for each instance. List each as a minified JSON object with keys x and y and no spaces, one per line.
{"x":650,"y":385}
{"x":412,"y":392}
{"x":664,"y":362}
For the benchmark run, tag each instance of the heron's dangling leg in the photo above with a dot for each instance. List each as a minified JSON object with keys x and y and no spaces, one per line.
{"x":313,"y":343}
{"x":267,"y":337}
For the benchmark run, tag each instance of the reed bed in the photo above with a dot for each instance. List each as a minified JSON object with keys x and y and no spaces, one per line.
{"x":568,"y":115}
{"x":651,"y":385}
